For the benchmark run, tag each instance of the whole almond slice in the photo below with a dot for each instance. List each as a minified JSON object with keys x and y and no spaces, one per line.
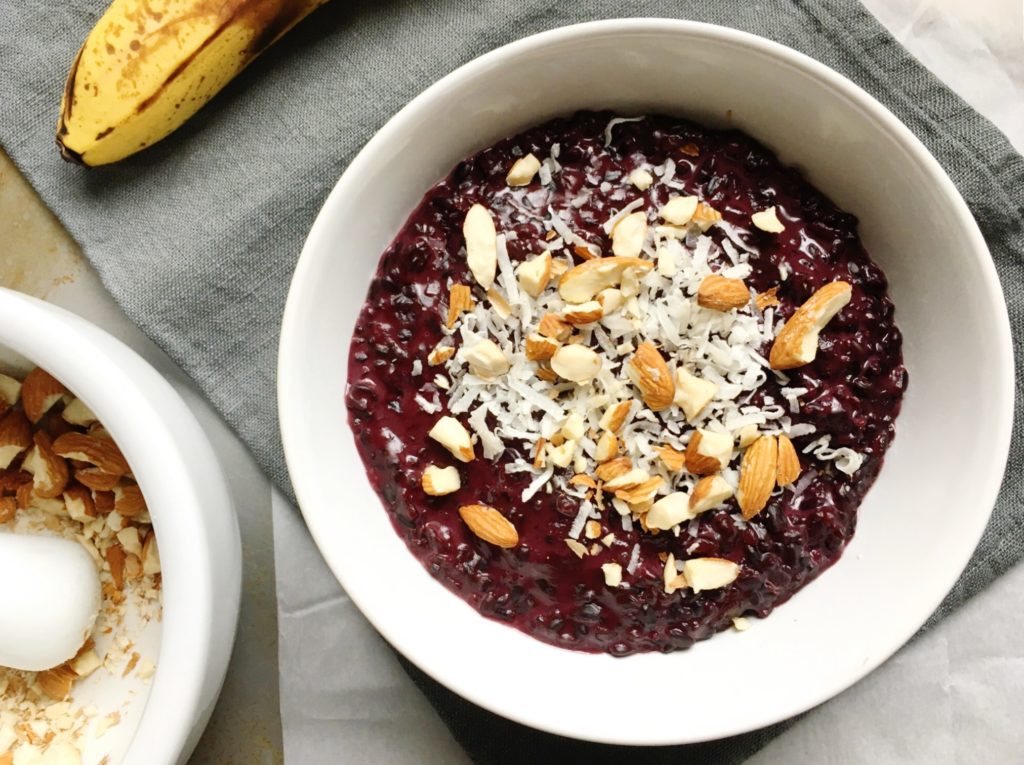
{"x":788,"y":463}
{"x":720,"y":293}
{"x":101,"y":452}
{"x":490,"y":525}
{"x":758,"y":472}
{"x":583,"y":282}
{"x":649,"y":372}
{"x":797,"y":341}
{"x":39,"y":392}
{"x":629,"y":234}
{"x":15,"y":436}
{"x":481,"y":245}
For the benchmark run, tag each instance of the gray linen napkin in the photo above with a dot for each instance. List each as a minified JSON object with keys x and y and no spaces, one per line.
{"x":197,"y":237}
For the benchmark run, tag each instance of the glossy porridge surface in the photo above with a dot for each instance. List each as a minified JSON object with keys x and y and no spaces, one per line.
{"x":855,"y":385}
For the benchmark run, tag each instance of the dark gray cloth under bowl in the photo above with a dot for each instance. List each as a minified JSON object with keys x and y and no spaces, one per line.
{"x":197,"y":237}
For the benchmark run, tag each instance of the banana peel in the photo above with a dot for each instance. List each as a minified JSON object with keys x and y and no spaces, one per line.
{"x":149,"y":65}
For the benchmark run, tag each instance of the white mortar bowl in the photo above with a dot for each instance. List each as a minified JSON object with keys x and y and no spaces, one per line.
{"x":193,"y":517}
{"x":918,"y":525}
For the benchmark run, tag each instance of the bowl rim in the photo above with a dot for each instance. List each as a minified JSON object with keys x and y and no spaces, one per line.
{"x":290,"y":408}
{"x":186,"y":487}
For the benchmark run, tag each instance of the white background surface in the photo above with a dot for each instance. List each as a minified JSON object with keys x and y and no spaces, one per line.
{"x":954,"y":696}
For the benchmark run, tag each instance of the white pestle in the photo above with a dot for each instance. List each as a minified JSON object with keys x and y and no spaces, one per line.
{"x":49,"y":599}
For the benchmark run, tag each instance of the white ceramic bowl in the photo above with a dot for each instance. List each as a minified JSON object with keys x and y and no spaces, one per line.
{"x":918,"y":525}
{"x":194,"y":519}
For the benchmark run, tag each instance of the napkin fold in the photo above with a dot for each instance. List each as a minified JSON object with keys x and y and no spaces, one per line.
{"x":197,"y":237}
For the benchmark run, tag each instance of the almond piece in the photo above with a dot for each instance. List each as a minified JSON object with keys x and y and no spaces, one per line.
{"x":79,"y":503}
{"x":583,"y":480}
{"x":641,"y":495}
{"x":77,"y":413}
{"x":101,"y":452}
{"x":583,"y":313}
{"x":562,"y":454}
{"x":674,"y":460}
{"x":758,"y":472}
{"x":15,"y":436}
{"x":522,"y":171}
{"x":10,"y":390}
{"x":628,"y":235}
{"x":721,"y":294}
{"x":768,"y":220}
{"x":150,"y":556}
{"x":693,"y":393}
{"x":669,"y":511}
{"x":710,"y":573}
{"x":629,"y":285}
{"x":574,"y":426}
{"x":95,"y":479}
{"x":130,"y":540}
{"x":613,"y":468}
{"x":449,"y":432}
{"x":797,"y":341}
{"x":611,"y":300}
{"x":534,"y":274}
{"x":641,"y":178}
{"x":490,"y":525}
{"x":767,"y":299}
{"x":486,"y":360}
{"x":539,"y":348}
{"x":128,"y":501}
{"x":705,"y":216}
{"x":39,"y":392}
{"x":615,"y":416}
{"x":49,"y":471}
{"x":8,"y":509}
{"x":559,"y":266}
{"x":553,"y":326}
{"x":708,"y":452}
{"x":583,"y":282}
{"x":607,"y":446}
{"x":649,"y":372}
{"x":440,"y":355}
{"x":481,"y":245}
{"x":499,"y":303}
{"x":460,"y":298}
{"x":115,"y":560}
{"x":576,"y":363}
{"x":56,"y":683}
{"x":578,"y":549}
{"x":628,"y":480}
{"x":612,"y":574}
{"x":747,"y":435}
{"x":592,"y":529}
{"x":710,"y":492}
{"x":440,"y":481}
{"x":788,"y":462}
{"x":679,"y":210}
{"x":586,"y":251}
{"x":690,"y":150}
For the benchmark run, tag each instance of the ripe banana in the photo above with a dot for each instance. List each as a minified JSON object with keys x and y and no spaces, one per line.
{"x":149,"y":65}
